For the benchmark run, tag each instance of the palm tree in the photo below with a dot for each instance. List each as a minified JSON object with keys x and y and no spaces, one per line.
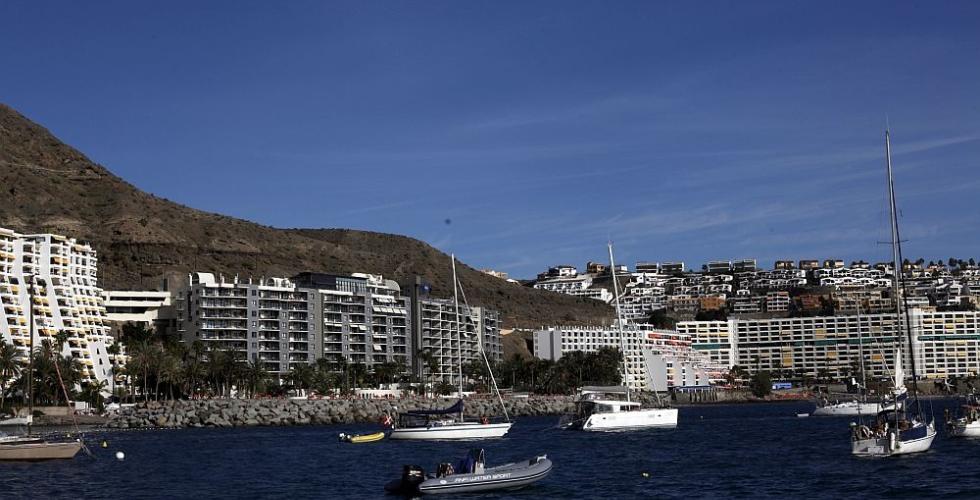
{"x":10,"y":368}
{"x":301,"y":376}
{"x":256,"y":375}
{"x":92,"y":393}
{"x":171,"y":369}
{"x":428,"y":361}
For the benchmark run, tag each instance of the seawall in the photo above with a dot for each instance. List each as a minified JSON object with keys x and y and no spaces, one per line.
{"x":273,"y":412}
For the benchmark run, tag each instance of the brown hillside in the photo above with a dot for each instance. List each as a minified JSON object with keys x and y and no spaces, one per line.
{"x":47,"y":186}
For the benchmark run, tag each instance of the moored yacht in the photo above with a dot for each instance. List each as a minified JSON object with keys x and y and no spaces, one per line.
{"x":903,"y":428}
{"x":444,"y":424}
{"x":967,"y":423}
{"x":611,"y":408}
{"x":603,"y":409}
{"x":449,"y":423}
{"x":852,"y":408}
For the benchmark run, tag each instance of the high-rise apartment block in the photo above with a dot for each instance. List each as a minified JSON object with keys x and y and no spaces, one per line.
{"x":268,"y":321}
{"x":61,"y":275}
{"x":360,"y":318}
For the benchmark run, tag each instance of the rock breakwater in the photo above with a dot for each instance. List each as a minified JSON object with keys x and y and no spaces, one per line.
{"x":277,"y":412}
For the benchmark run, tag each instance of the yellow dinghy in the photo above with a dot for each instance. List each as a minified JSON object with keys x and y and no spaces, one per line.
{"x":362,"y":438}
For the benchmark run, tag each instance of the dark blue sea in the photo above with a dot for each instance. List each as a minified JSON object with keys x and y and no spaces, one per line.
{"x":730,"y":451}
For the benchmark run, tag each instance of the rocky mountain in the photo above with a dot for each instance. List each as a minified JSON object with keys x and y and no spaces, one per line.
{"x":48,"y":186}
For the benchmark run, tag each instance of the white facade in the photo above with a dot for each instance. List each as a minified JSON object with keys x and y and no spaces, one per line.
{"x":655,"y":359}
{"x":137,"y":307}
{"x":66,"y":299}
{"x":944,"y":344}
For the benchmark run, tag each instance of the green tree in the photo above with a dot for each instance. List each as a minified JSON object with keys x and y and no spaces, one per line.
{"x":92,"y":394}
{"x":10,"y":368}
{"x":761,"y":385}
{"x":660,"y":319}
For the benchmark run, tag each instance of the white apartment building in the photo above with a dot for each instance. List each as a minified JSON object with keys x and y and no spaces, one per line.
{"x":269,"y":321}
{"x":947,"y":343}
{"x":640,"y":301}
{"x":944,"y":344}
{"x":66,"y":298}
{"x":365,"y":319}
{"x":655,"y":359}
{"x":145,"y":308}
{"x":449,"y":338}
{"x":777,"y":301}
{"x":575,"y":285}
{"x":565,"y":284}
{"x":713,"y":339}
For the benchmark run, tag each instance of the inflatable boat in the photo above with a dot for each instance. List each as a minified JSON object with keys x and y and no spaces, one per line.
{"x":361,"y":438}
{"x":470,"y":476}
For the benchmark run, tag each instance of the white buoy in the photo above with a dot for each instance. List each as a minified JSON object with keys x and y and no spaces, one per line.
{"x":120,"y":455}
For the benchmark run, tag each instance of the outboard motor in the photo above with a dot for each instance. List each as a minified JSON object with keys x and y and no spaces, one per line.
{"x":412,"y":477}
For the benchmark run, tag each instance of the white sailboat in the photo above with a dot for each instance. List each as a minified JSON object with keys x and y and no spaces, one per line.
{"x":603,"y":408}
{"x":449,"y":423}
{"x":967,"y":423}
{"x":902,"y":429}
{"x":853,"y":408}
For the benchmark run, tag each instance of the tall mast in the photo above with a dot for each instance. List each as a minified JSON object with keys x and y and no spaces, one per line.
{"x":459,"y":333}
{"x":861,"y":387}
{"x":897,"y":281}
{"x":619,"y":322}
{"x":30,"y":353}
{"x":486,"y":360}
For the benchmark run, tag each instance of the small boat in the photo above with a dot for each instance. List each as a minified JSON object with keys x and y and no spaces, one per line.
{"x":846,"y":409}
{"x":17,"y":421}
{"x":802,"y":415}
{"x":470,"y":476}
{"x":361,"y":438}
{"x":967,"y":423}
{"x":33,"y":449}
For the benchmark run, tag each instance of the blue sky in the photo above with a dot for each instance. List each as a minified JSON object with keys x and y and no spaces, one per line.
{"x":682,"y":131}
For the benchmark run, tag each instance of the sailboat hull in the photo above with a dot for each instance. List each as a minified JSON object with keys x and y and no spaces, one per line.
{"x":628,"y":420}
{"x":39,"y":451}
{"x":451,"y":431}
{"x":849,"y":409}
{"x":888,"y":445}
{"x":962,"y":428}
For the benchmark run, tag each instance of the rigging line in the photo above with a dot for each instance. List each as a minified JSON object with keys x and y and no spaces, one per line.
{"x":479,"y":344}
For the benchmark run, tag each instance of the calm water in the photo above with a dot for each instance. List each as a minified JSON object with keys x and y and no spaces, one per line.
{"x":744,"y":451}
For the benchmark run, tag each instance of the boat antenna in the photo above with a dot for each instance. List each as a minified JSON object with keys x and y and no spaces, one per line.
{"x":459,"y":334}
{"x":619,"y":321}
{"x":493,"y":380}
{"x":898,"y":281}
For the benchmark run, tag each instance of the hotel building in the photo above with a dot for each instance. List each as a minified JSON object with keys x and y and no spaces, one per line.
{"x":151,"y":309}
{"x":63,"y":276}
{"x":944,"y":344}
{"x":364,"y":318}
{"x":270,"y":321}
{"x":655,"y":359}
{"x":449,"y":339}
